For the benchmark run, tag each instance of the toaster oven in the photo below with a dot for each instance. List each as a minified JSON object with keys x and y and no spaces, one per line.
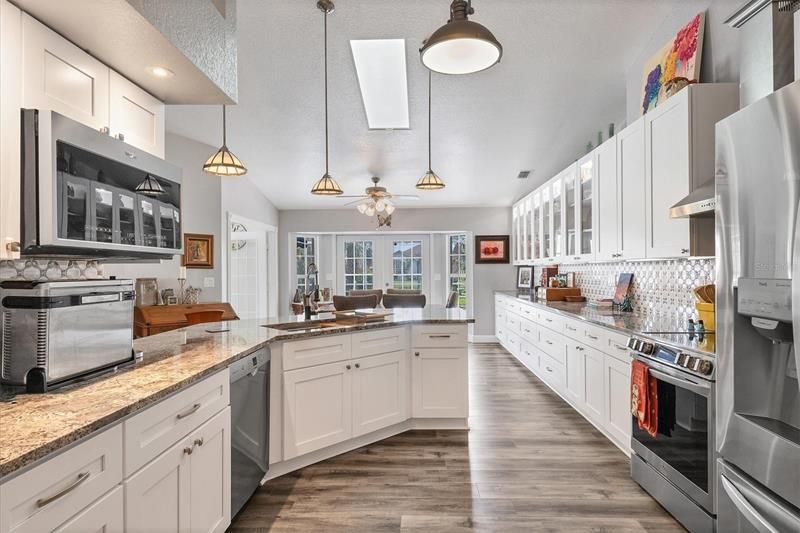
{"x":55,"y":332}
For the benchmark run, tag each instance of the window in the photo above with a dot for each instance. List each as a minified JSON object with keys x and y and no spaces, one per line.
{"x":407,"y":265}
{"x":359,"y":267}
{"x":457,"y":267}
{"x":305,"y":254}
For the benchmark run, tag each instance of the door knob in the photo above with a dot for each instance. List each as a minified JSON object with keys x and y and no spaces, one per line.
{"x":347,"y":367}
{"x":358,"y":365}
{"x":416,"y":354}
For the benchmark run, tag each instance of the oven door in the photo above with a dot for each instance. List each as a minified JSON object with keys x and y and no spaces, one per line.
{"x":682,"y":449}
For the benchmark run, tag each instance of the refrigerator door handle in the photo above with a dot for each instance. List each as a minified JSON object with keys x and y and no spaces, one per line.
{"x":796,"y":293}
{"x":744,"y":507}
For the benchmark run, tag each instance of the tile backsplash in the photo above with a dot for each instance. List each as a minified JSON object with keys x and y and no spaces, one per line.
{"x":659,"y":287}
{"x":50,"y":269}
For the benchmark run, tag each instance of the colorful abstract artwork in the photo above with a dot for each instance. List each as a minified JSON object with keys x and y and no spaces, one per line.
{"x":677,"y":61}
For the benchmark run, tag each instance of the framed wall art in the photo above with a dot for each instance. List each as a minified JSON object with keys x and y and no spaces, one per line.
{"x":492,"y":249}
{"x":198,"y":250}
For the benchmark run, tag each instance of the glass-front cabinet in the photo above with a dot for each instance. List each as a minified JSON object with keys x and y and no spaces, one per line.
{"x":515,"y":235}
{"x":584,"y":196}
{"x":527,"y":255}
{"x":557,"y":215}
{"x":547,"y":230}
{"x":536,"y":227}
{"x":570,"y":217}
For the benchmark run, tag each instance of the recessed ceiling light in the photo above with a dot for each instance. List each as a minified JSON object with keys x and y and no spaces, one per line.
{"x":381,"y":69}
{"x":160,"y":72}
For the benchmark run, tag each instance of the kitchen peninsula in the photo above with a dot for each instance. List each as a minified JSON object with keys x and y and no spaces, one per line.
{"x":405,"y":372}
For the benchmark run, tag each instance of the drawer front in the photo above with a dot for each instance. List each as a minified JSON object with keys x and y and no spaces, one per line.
{"x":574,"y":330}
{"x":618,"y":347}
{"x":606,"y":341}
{"x":106,"y":515}
{"x":550,"y":320}
{"x":157,"y":428}
{"x":527,"y":312}
{"x":379,"y":341}
{"x":553,"y":372}
{"x":554,"y":345}
{"x":316,"y":351}
{"x":529,"y":356}
{"x":454,"y":336}
{"x":528,"y":331}
{"x":47,"y":496}
{"x":512,"y":322}
{"x":512,"y":343}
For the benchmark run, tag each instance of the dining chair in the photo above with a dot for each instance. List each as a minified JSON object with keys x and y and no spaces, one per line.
{"x":378,"y":293}
{"x":391,"y":301}
{"x":452,"y":300}
{"x":403,"y":291}
{"x":348,"y":303}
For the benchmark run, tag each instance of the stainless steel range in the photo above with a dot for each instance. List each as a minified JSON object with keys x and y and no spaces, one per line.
{"x":676,"y":466}
{"x":758,"y":315}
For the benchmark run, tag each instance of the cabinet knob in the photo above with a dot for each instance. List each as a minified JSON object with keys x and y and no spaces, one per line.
{"x":358,"y":365}
{"x":684,"y":250}
{"x":120,"y":136}
{"x":188,"y":450}
{"x":13,"y":246}
{"x":198,"y":442}
{"x":347,"y":367}
{"x":416,"y":354}
{"x":105,"y":130}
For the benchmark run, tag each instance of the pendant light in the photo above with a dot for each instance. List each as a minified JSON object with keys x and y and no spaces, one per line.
{"x":150,"y":187}
{"x":430,"y":181}
{"x":326,"y":186}
{"x":461,"y":46}
{"x":223,"y":162}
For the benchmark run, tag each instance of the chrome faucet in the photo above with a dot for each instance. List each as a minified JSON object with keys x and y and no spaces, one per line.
{"x":308,"y":300}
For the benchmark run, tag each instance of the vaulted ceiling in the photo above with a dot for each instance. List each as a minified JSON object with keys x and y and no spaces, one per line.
{"x":562,"y":79}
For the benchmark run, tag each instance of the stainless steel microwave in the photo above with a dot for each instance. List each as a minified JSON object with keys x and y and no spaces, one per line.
{"x":79,"y":194}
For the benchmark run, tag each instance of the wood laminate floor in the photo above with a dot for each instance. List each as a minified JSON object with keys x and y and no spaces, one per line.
{"x":528,"y":463}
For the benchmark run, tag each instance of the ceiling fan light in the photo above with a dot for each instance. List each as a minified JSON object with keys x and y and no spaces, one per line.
{"x":461,"y":46}
{"x":150,"y":187}
{"x":326,"y":186}
{"x":430,"y":182}
{"x":389,"y":209}
{"x":370,"y":211}
{"x":224,"y":163}
{"x":380,"y":205}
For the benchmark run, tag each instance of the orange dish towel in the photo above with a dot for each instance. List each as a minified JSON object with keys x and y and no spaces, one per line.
{"x":644,"y":398}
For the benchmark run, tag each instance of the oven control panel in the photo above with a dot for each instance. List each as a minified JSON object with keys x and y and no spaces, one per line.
{"x":691,"y":362}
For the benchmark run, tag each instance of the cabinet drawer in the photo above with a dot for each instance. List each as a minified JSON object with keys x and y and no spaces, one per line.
{"x":106,"y":514}
{"x":550,"y":320}
{"x":528,"y":330}
{"x":606,"y":341}
{"x":512,"y":322}
{"x":553,"y":372}
{"x":527,"y":312}
{"x":439,"y":336}
{"x":316,"y":351}
{"x":50,"y":494}
{"x":154,"y":430}
{"x":529,"y":356}
{"x":573,"y":329}
{"x":512,"y":343}
{"x":379,"y":341}
{"x":553,"y":345}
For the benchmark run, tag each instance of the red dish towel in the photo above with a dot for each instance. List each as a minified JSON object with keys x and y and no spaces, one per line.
{"x":644,"y":398}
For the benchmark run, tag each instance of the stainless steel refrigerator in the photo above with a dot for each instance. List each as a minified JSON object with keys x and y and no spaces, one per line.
{"x":758,"y":316}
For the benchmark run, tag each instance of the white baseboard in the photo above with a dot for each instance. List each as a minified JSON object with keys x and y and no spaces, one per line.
{"x":484,"y":339}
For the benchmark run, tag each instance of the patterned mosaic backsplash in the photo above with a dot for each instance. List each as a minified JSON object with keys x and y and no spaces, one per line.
{"x":50,"y":269}
{"x":659,"y":287}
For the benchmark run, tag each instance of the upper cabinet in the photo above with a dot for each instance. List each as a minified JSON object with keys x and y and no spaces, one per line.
{"x":614,"y":203}
{"x":58,"y":75}
{"x":135,"y":117}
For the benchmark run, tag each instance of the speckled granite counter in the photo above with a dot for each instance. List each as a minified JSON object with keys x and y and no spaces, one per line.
{"x":661,"y":328}
{"x":35,"y":425}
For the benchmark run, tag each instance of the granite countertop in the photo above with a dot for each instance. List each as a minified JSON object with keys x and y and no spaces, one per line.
{"x":35,"y":425}
{"x":663,"y":328}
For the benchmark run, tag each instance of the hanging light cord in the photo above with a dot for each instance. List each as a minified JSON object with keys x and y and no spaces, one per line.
{"x":224,"y":128}
{"x":429,"y":120}
{"x":326,"y":90}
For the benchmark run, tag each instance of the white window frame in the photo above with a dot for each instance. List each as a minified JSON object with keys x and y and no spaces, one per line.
{"x":315,"y":259}
{"x":465,"y":275}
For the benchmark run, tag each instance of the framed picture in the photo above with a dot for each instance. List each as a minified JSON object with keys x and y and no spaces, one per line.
{"x":198,"y":250}
{"x":491,"y":249}
{"x":524,"y":277}
{"x":623,"y":287}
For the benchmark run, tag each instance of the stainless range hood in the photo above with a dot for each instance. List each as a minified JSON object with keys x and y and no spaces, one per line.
{"x":699,"y":202}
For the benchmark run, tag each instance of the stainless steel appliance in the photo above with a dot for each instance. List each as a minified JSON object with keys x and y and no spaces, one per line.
{"x":676,"y":466}
{"x":79,"y":193}
{"x":758,"y":301}
{"x":54,"y":332}
{"x":249,"y":425}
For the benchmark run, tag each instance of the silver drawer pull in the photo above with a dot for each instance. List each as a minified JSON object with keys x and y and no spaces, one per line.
{"x":548,"y":319}
{"x":439,"y":336}
{"x":591,"y":337}
{"x":571,"y":328}
{"x":549,"y":342}
{"x":50,"y":499}
{"x":620,"y":348}
{"x":192,"y":410}
{"x":548,"y":369}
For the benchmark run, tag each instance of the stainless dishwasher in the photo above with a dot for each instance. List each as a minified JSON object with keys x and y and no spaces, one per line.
{"x":249,"y":425}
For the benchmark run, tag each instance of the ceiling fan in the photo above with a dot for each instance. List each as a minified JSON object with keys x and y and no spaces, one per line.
{"x":377,"y":199}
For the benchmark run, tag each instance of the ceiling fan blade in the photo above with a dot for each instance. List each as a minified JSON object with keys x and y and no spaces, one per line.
{"x":352,"y":196}
{"x":404,"y":197}
{"x":355,"y":202}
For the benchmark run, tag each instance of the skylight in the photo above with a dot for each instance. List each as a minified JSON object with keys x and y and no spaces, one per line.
{"x":381,"y":69}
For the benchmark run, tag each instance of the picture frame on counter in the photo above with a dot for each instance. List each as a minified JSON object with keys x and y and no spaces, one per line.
{"x":524,"y":277}
{"x":492,"y":249}
{"x":198,"y":250}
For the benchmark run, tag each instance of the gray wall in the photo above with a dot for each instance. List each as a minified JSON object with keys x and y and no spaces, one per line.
{"x":206,"y":201}
{"x":720,"y":60}
{"x":478,"y":220}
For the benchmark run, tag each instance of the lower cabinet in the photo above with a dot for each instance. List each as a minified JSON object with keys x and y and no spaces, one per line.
{"x":595,"y":389}
{"x":575,"y":379}
{"x":106,"y":514}
{"x":187,"y":488}
{"x":618,"y":400}
{"x":380,"y":391}
{"x":439,"y":383}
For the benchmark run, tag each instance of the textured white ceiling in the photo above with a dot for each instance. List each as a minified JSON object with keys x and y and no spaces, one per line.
{"x":560,"y":81}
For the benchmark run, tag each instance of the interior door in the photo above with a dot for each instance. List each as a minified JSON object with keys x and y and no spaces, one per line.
{"x":247,"y":270}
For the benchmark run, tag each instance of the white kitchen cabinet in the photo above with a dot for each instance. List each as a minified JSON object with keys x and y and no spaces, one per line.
{"x":10,"y":104}
{"x":679,"y":158}
{"x":536,"y":226}
{"x":547,"y":226}
{"x":135,"y":116}
{"x":516,"y":233}
{"x":558,"y":213}
{"x":631,"y":191}
{"x":380,"y":391}
{"x":181,"y":491}
{"x":617,"y":377}
{"x":571,"y":230}
{"x":594,"y":392}
{"x":106,"y":515}
{"x":605,"y":201}
{"x":58,"y":75}
{"x":317,"y":407}
{"x":439,"y":383}
{"x":575,"y":375}
{"x":585,"y":187}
